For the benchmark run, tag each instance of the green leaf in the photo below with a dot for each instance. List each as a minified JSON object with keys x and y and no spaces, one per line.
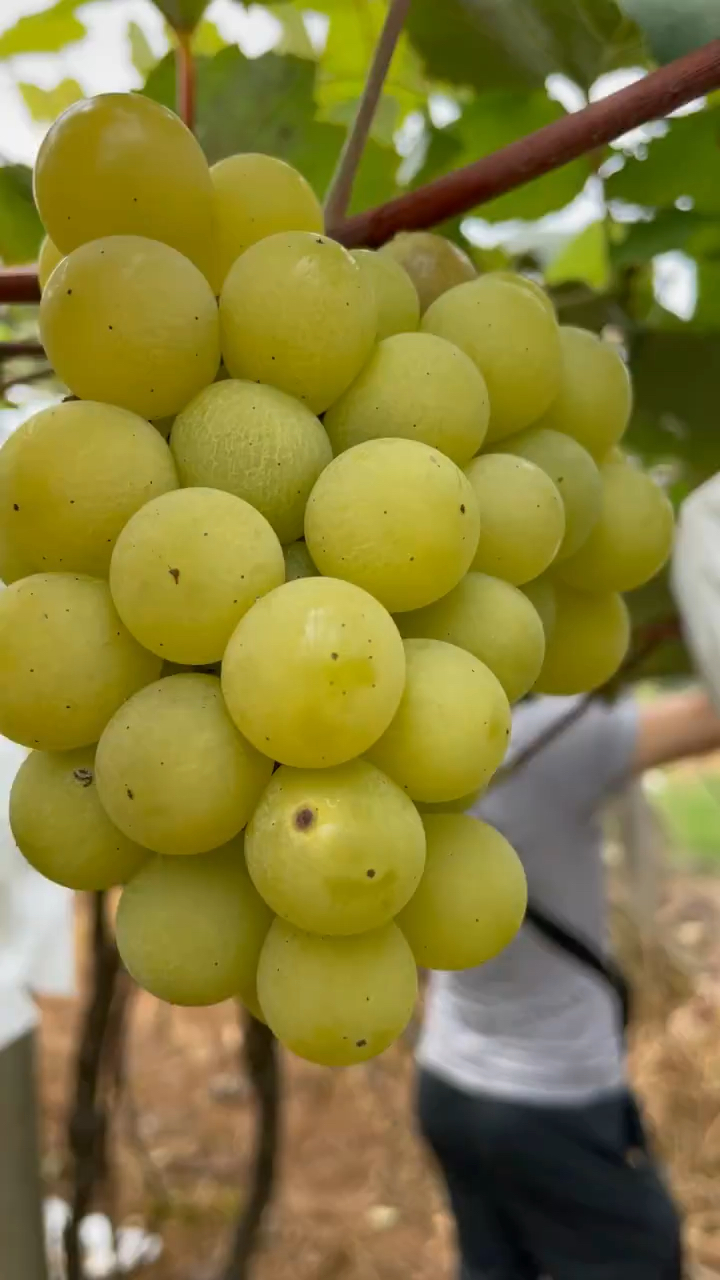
{"x":584,"y":258}
{"x":672,"y":28}
{"x":20,"y":227}
{"x":44,"y":32}
{"x":143,"y":58}
{"x":207,"y":41}
{"x":47,"y":104}
{"x":676,"y":376}
{"x":670,"y":229}
{"x":183,"y":15}
{"x":294,"y":39}
{"x":352,"y":36}
{"x":683,"y":163}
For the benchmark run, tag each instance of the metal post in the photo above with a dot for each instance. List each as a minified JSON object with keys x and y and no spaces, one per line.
{"x":22,"y":1244}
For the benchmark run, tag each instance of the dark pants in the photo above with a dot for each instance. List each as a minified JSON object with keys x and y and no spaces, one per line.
{"x":565,"y":1192}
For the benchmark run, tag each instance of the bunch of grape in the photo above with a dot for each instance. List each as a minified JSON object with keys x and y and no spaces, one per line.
{"x":263,"y":668}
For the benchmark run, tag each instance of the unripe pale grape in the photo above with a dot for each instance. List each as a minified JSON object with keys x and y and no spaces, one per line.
{"x":121,"y":164}
{"x":48,"y":258}
{"x":131,"y":322}
{"x":396,"y":299}
{"x":256,"y":442}
{"x":541,"y":593}
{"x":297,"y":312}
{"x":190,"y":930}
{"x":522,"y":517}
{"x":452,"y":727}
{"x":594,"y":398}
{"x":66,"y":661}
{"x":589,"y":641}
{"x":13,"y":564}
{"x":513,"y":339}
{"x":492,"y":620}
{"x":525,"y":282}
{"x":335,"y":851}
{"x":631,"y":541}
{"x":574,"y":474}
{"x":433,"y":263}
{"x":186,"y":568}
{"x":62,"y":829}
{"x":336,"y":1001}
{"x":298,"y":561}
{"x":314,"y":672}
{"x":395,"y":517}
{"x":419,"y":387}
{"x":172,"y":771}
{"x":255,"y":196}
{"x":472,"y":897}
{"x":71,"y":477}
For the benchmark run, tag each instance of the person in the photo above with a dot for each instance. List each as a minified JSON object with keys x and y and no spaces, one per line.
{"x":523,"y":1094}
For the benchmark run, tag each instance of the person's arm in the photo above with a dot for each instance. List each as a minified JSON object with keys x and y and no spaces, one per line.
{"x":674,"y":727}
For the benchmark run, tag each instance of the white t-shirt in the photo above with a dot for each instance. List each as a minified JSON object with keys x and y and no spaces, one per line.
{"x":533,"y":1024}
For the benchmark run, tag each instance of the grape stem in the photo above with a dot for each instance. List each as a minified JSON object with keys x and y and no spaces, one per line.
{"x":341,"y":183}
{"x":19,"y":284}
{"x":186,"y":77}
{"x":568,"y":138}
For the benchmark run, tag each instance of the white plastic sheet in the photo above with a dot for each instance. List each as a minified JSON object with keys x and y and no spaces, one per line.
{"x":696,"y":580}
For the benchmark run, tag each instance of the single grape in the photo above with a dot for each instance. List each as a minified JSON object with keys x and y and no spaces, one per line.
{"x":48,"y":258}
{"x":298,"y":561}
{"x":336,"y":1001}
{"x":522,"y":517}
{"x":257,"y":443}
{"x":71,"y":477}
{"x":190,"y":930}
{"x":574,"y":474}
{"x":451,"y":729}
{"x":121,"y":164}
{"x":13,"y":564}
{"x":631,"y":541}
{"x":172,"y":771}
{"x":513,"y":339}
{"x":335,"y":851}
{"x":187,"y":566}
{"x":256,"y":196}
{"x":396,"y":299}
{"x":525,"y":282}
{"x":131,"y":322}
{"x":594,"y":398}
{"x":494,"y":621}
{"x":314,"y":672}
{"x":589,"y":641}
{"x":66,"y":661}
{"x":60,"y":826}
{"x":472,"y":897}
{"x":433,"y":263}
{"x":297,"y":312}
{"x":541,"y":593}
{"x":419,"y":387}
{"x":395,"y":517}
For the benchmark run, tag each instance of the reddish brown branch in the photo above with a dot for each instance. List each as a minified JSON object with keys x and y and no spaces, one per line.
{"x":186,"y":78}
{"x":572,"y":136}
{"x":19,"y":284}
{"x":9,"y":350}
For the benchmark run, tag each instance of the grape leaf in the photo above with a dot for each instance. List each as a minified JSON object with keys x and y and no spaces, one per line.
{"x":47,"y":104}
{"x":670,"y":229}
{"x":44,"y":32}
{"x":672,"y":29}
{"x":683,"y":163}
{"x":20,"y":227}
{"x":183,"y":15}
{"x":207,"y":41}
{"x":143,"y":58}
{"x":584,"y":258}
{"x":676,"y":376}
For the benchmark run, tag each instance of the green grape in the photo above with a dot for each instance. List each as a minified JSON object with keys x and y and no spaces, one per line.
{"x":541,"y":593}
{"x":433,"y":263}
{"x":131,"y":322}
{"x":472,"y":897}
{"x":257,"y":443}
{"x":314,"y":672}
{"x":13,"y":564}
{"x":297,"y":312}
{"x":494,"y":621}
{"x":256,"y":196}
{"x":514,"y":341}
{"x":395,"y":517}
{"x":121,"y":164}
{"x":66,"y":661}
{"x":335,"y":851}
{"x":48,"y":258}
{"x":594,"y":399}
{"x":187,"y":566}
{"x":336,"y":1001}
{"x":589,"y":641}
{"x":298,"y":561}
{"x":631,"y":541}
{"x":574,"y":474}
{"x":418,"y":387}
{"x":522,"y":517}
{"x":451,"y":729}
{"x":525,"y":282}
{"x":172,"y":771}
{"x":62,"y":829}
{"x":190,"y":930}
{"x":396,"y":299}
{"x":454,"y":806}
{"x":71,"y":477}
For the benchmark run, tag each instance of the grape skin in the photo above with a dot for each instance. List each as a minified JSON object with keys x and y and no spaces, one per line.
{"x":433,"y":263}
{"x":396,"y":299}
{"x":541,"y":594}
{"x":594,"y":398}
{"x":522,"y":517}
{"x":575,"y":474}
{"x":48,"y":258}
{"x":590,"y":639}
